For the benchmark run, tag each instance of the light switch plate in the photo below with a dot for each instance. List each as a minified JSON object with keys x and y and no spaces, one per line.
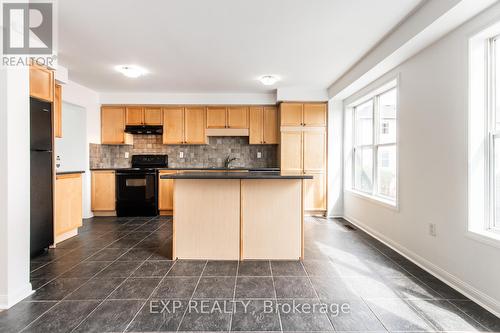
{"x":259,"y":154}
{"x":127,"y":154}
{"x":181,"y":154}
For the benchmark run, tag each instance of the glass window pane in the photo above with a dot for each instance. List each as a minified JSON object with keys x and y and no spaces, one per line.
{"x":387,"y":121}
{"x":496,"y":180}
{"x":364,"y":123}
{"x":386,"y":171}
{"x":496,"y":61}
{"x":363,"y":169}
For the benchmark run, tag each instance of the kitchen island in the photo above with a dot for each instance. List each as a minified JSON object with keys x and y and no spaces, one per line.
{"x":238,"y":215}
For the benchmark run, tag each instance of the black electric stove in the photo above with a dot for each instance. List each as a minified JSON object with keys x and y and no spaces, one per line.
{"x":137,"y":187}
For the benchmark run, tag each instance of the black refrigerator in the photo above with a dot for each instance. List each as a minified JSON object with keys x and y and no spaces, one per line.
{"x":41,"y":225}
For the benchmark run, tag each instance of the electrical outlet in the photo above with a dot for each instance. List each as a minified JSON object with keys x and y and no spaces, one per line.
{"x":127,"y":154}
{"x":432,"y":230}
{"x":181,"y":154}
{"x":259,"y":154}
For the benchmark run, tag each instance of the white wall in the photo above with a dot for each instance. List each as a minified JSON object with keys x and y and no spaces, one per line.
{"x":69,"y":148}
{"x":14,"y":186}
{"x":88,"y":99}
{"x":433,"y":170}
{"x":186,"y":98}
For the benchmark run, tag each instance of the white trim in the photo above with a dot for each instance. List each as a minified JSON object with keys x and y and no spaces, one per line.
{"x":7,"y":301}
{"x":485,"y":237}
{"x":393,"y":205}
{"x":454,"y":282}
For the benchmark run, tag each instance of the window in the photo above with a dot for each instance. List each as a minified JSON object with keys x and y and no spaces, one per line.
{"x":375,"y":146}
{"x":494,"y":133}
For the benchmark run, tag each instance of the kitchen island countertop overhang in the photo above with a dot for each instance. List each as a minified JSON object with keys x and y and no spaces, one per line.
{"x":238,"y":215}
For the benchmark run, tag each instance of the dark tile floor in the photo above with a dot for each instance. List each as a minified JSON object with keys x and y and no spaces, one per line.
{"x":116,"y":276}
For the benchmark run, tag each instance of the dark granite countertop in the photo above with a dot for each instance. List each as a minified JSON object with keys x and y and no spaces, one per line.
{"x":234,"y":175}
{"x":69,"y":172}
{"x":199,"y":168}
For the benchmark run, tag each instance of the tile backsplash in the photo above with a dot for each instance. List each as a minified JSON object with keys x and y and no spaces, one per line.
{"x":195,"y":156}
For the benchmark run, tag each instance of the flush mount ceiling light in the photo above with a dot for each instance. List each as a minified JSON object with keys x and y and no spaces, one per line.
{"x":131,"y":70}
{"x":268,"y":80}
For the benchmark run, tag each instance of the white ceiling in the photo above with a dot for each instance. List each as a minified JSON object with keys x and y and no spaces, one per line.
{"x":200,"y":46}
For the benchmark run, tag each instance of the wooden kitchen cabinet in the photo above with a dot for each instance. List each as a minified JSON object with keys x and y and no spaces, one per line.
{"x":303,"y":114}
{"x":113,"y":126}
{"x":227,"y":117}
{"x":103,"y":191}
{"x":216,"y":117}
{"x":291,"y":114}
{"x":184,"y":125}
{"x":263,"y":125}
{"x":57,"y":111}
{"x":41,"y":82}
{"x":256,"y":129}
{"x":314,"y":150}
{"x":194,"y":125}
{"x":237,"y":117}
{"x":315,"y":114}
{"x":303,"y":151}
{"x":173,"y":126}
{"x":138,"y":115}
{"x":134,"y":115}
{"x":315,"y":192}
{"x":153,"y":116}
{"x":271,"y":131}
{"x":291,"y":152}
{"x":68,"y":206}
{"x":166,"y":193}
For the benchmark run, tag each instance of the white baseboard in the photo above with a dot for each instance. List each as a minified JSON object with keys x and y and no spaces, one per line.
{"x":454,"y":282}
{"x":6,"y":301}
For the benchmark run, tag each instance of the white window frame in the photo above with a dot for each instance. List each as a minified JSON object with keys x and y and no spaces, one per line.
{"x":375,"y":96}
{"x":492,"y":45}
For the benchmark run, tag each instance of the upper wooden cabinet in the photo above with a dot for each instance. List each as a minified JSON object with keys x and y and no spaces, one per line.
{"x":315,"y":114}
{"x":227,"y":117}
{"x":58,"y":111}
{"x":303,"y":114}
{"x":237,"y":117}
{"x":263,"y":125}
{"x":153,"y":116}
{"x":216,"y":117}
{"x":103,"y":191}
{"x":41,"y":82}
{"x":184,"y":125}
{"x":113,"y":125}
{"x":173,"y":126}
{"x":134,"y":115}
{"x":194,"y":125}
{"x":137,"y":115}
{"x":291,"y":114}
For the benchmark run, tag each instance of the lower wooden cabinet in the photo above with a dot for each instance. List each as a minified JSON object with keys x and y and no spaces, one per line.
{"x":315,"y":192}
{"x":166,"y":193}
{"x":103,"y":192}
{"x":68,"y":206}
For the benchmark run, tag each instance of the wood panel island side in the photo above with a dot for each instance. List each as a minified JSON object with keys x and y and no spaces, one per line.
{"x":238,"y":215}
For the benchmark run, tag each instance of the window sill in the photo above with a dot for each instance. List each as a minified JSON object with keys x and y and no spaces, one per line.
{"x":393,"y":205}
{"x":484,"y":236}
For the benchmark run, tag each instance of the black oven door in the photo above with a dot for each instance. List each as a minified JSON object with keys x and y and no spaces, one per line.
{"x":136,"y":194}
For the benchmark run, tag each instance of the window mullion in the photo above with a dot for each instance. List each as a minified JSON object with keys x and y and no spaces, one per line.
{"x":375,"y":144}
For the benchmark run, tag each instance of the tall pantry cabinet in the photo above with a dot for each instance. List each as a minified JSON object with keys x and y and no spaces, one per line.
{"x":303,"y":149}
